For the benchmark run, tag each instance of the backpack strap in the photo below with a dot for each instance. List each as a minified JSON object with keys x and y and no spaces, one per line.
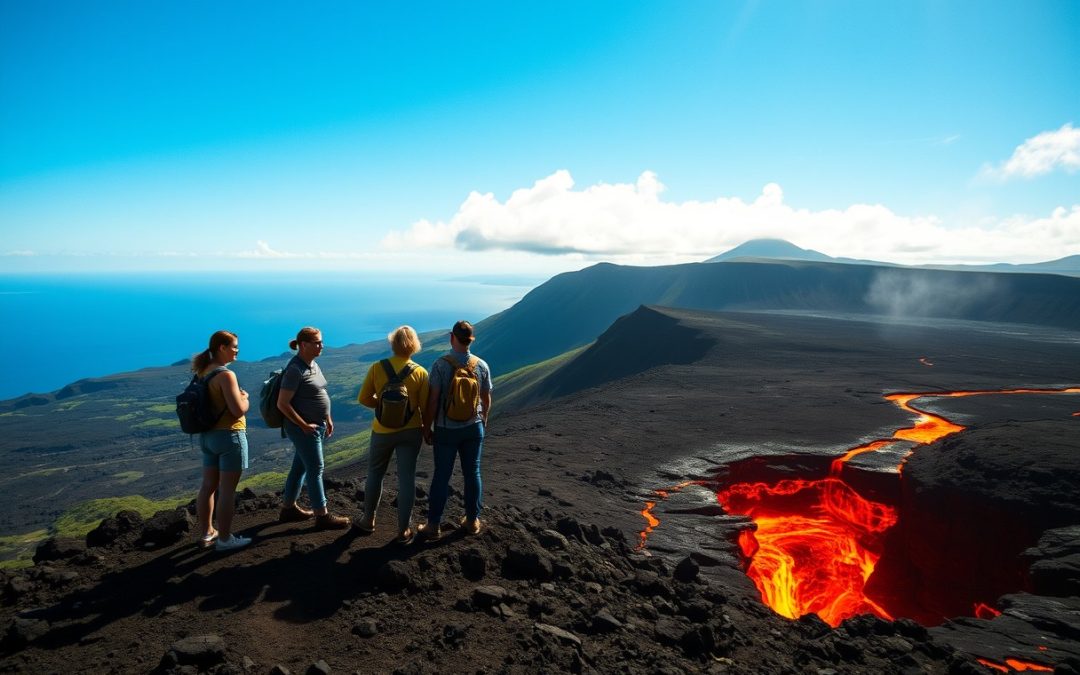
{"x":470,"y":364}
{"x":209,"y":376}
{"x":389,"y":368}
{"x":397,"y":377}
{"x":451,"y":360}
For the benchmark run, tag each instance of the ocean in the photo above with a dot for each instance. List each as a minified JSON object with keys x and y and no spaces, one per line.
{"x":63,"y":328}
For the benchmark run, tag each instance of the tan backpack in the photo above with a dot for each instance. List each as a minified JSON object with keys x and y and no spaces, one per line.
{"x":462,"y":397}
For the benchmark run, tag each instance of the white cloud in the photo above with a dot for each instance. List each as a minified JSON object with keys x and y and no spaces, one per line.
{"x":632,"y":223}
{"x":1040,"y":155}
{"x":19,"y":254}
{"x":263,"y":250}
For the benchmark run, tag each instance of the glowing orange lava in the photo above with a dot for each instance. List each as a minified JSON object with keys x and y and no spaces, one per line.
{"x":651,"y":521}
{"x":985,"y":611}
{"x":1014,"y":665}
{"x":818,"y":560}
{"x":816,"y":542}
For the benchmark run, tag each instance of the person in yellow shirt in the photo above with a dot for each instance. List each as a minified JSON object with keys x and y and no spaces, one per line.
{"x":397,"y":389}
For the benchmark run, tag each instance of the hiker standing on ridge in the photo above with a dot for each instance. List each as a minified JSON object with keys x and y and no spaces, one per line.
{"x":397,"y":388}
{"x":459,"y":403}
{"x":224,"y":446}
{"x":306,"y":406}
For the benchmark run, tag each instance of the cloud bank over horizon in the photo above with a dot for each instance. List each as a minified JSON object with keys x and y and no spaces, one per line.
{"x":631,"y":221}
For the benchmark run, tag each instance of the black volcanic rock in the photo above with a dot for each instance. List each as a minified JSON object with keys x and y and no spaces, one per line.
{"x":167,"y":527}
{"x":58,"y":549}
{"x":1055,"y":562}
{"x":971,"y":504}
{"x":111,"y":529}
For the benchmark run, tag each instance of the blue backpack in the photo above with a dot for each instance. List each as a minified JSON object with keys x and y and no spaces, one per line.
{"x":193,"y":406}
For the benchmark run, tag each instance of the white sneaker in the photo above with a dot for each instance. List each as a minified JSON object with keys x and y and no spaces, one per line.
{"x":233,"y":542}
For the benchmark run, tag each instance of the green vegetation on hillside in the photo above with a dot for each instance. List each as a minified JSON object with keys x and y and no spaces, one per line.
{"x":81,"y":518}
{"x":348,"y":449}
{"x":513,"y":389}
{"x":128,"y":476}
{"x":268,"y":480}
{"x":17,"y":550}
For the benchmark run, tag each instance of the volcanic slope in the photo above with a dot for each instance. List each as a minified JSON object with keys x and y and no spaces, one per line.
{"x":571,"y":309}
{"x":553,"y":583}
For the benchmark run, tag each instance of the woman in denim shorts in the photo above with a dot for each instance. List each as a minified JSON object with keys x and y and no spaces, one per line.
{"x":224,"y":448}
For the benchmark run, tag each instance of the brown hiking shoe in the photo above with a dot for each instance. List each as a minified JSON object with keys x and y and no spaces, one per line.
{"x":470,"y":526}
{"x":294,"y":514}
{"x":329,"y":522}
{"x":428,"y":532}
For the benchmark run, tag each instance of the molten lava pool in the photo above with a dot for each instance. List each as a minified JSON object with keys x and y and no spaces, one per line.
{"x":815,"y":546}
{"x":816,"y":542}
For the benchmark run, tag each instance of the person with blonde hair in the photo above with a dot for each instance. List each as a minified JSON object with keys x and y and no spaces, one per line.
{"x":397,"y":389}
{"x":224,"y":447}
{"x":306,"y":406}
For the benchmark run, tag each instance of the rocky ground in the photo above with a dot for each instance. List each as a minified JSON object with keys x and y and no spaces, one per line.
{"x":535,"y":591}
{"x":556,"y":581}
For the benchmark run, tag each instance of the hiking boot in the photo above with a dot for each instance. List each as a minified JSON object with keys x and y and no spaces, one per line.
{"x":406,"y":537}
{"x":329,"y":522}
{"x":365,"y":525}
{"x":232,"y":543}
{"x":428,"y":532}
{"x":294,"y":514}
{"x":470,"y":526}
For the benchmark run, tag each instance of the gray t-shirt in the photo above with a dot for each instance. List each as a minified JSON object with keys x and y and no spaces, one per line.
{"x":310,"y":400}
{"x":440,"y":375}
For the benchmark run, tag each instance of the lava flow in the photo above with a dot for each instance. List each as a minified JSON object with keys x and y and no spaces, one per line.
{"x":816,"y":542}
{"x":1013,"y":665}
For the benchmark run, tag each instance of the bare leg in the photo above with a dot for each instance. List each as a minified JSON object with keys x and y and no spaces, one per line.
{"x":227,"y":502}
{"x":204,"y":503}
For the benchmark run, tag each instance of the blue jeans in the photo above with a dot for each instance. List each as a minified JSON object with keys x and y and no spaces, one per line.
{"x":224,"y":449}
{"x":405,"y":444}
{"x":307,"y":462}
{"x":466,"y":443}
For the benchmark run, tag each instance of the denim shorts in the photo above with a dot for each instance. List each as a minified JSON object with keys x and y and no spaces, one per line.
{"x":224,"y":449}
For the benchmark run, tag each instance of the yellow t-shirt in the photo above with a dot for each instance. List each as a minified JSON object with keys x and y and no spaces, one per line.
{"x":217,"y":401}
{"x":416,"y":384}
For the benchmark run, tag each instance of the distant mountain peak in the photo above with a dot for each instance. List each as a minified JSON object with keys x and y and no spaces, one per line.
{"x":771,"y":248}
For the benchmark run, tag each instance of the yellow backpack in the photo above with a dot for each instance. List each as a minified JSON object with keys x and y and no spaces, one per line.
{"x":462,"y":397}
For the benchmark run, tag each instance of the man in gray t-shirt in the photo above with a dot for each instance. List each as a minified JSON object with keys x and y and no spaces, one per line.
{"x":306,"y":406}
{"x":453,"y":438}
{"x":310,"y":400}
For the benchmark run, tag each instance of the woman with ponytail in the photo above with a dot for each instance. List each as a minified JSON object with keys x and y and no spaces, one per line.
{"x":306,"y":406}
{"x":224,"y":448}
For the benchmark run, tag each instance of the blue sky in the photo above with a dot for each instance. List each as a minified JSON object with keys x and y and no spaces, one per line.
{"x":514,"y":137}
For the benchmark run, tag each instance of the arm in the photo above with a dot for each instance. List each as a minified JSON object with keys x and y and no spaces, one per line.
{"x":284,"y":404}
{"x":366,"y":397}
{"x":430,"y":409}
{"x":236,"y":399}
{"x":485,"y":401}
